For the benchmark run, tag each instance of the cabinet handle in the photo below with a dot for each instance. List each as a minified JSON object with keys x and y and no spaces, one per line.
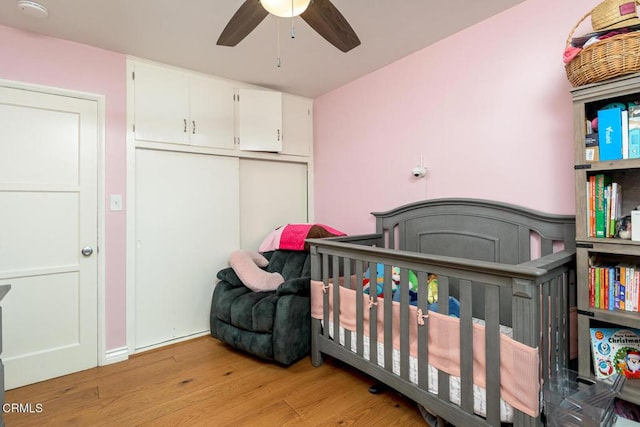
{"x":185,"y":125}
{"x":278,"y":134}
{"x":194,"y":126}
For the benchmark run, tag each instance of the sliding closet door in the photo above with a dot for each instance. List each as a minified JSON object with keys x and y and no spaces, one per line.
{"x":271,"y":194}
{"x":187,"y":210}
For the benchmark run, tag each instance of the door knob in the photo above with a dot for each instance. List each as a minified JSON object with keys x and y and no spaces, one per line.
{"x":87,"y":251}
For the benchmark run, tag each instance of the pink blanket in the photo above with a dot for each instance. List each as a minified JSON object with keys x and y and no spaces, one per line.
{"x":519,"y":378}
{"x":292,"y":237}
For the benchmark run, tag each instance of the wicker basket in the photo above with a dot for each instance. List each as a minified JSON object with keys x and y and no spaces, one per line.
{"x":608,"y":58}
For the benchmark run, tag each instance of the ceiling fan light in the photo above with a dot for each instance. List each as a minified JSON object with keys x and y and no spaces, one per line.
{"x":285,"y":8}
{"x":32,"y":8}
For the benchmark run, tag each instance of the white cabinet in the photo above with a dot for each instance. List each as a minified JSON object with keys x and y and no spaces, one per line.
{"x":210,"y":171}
{"x":259,"y":120}
{"x":184,"y":108}
{"x":297,"y":125}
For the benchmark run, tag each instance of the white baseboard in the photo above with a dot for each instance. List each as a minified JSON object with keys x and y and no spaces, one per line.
{"x":116,"y":355}
{"x":171,"y":341}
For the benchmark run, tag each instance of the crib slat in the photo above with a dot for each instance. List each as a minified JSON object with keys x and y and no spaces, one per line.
{"x":555,"y":301}
{"x":325,"y":295}
{"x":546,"y":246}
{"x":443,"y":295}
{"x":388,"y":320}
{"x":545,"y":348}
{"x":336,"y":298}
{"x":423,"y":337}
{"x":373,"y":321}
{"x":359,"y":309}
{"x":492,"y":356}
{"x":524,"y":248}
{"x":563,"y":316}
{"x":466,"y":346}
{"x":404,"y":323}
{"x":346,"y":263}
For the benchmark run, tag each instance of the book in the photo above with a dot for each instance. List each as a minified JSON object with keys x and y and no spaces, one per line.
{"x":635,"y":225}
{"x":601,"y":182}
{"x":615,"y":350}
{"x":634,"y":132}
{"x":610,"y":133}
{"x":615,"y":208}
{"x":592,"y":291}
{"x":592,"y":152}
{"x":592,"y":206}
{"x":624,"y":122}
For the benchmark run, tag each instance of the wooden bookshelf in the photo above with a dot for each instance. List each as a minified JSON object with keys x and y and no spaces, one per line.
{"x":586,"y":101}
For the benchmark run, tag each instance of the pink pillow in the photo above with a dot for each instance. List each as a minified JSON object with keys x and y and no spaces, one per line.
{"x":272,"y":241}
{"x":247,"y":265}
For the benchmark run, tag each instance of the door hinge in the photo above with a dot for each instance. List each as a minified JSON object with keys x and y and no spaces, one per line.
{"x":133,"y":75}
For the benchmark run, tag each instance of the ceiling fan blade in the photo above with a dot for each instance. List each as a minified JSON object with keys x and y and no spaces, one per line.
{"x":245,"y":20}
{"x":323,"y":17}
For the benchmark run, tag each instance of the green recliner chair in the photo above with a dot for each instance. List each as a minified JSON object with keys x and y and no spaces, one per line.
{"x":273,"y":325}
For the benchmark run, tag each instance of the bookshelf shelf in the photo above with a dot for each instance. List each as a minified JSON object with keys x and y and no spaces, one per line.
{"x":609,"y":244}
{"x":610,"y":165}
{"x":607,"y":253}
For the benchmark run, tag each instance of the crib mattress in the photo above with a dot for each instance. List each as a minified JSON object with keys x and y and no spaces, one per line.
{"x":479,"y":394}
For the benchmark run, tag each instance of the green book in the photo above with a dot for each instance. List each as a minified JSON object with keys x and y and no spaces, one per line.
{"x":602,"y":181}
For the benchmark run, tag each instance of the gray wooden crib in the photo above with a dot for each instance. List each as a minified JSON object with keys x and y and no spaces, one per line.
{"x":480,"y":253}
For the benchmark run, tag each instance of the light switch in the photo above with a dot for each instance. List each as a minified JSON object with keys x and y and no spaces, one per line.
{"x":115,"y":202}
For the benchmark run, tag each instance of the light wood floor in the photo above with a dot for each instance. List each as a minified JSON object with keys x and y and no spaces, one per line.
{"x":204,"y":382}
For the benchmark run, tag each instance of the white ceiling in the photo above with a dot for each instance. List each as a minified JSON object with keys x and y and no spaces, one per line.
{"x":183,"y":33}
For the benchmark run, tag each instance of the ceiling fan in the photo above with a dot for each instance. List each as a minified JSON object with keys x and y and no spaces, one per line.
{"x":321,"y":15}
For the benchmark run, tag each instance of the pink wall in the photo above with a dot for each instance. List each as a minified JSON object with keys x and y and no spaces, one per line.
{"x":488,"y":108}
{"x":31,"y":58}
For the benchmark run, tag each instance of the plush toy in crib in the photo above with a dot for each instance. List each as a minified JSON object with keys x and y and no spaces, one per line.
{"x":432,"y":295}
{"x":432,"y":289}
{"x":379,"y":280}
{"x":395,"y":280}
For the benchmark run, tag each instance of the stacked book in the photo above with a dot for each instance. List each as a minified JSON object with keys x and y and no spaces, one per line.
{"x":617,"y":135}
{"x":604,"y":205}
{"x":614,"y":287}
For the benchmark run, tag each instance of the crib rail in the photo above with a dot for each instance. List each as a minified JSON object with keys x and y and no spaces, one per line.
{"x":540,"y":300}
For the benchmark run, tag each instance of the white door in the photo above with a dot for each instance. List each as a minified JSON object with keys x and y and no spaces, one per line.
{"x":48,"y":206}
{"x":186,"y":226}
{"x":271,"y":194}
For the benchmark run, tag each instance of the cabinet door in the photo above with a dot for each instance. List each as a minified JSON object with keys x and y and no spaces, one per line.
{"x":297,"y":125}
{"x":271,"y":194}
{"x":186,"y":226}
{"x":260,"y":120}
{"x":161,"y":104}
{"x":211,"y":120}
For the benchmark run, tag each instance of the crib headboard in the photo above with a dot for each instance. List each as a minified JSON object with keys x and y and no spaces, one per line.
{"x":474,"y":229}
